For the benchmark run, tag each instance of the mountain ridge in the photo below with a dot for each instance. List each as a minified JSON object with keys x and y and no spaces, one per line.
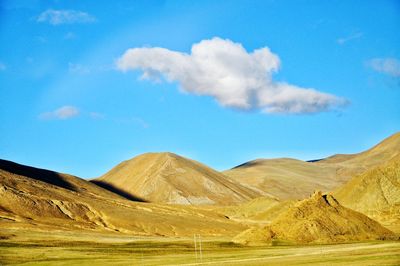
{"x":288,"y":178}
{"x":28,"y":203}
{"x":170,"y":178}
{"x":375,"y":192}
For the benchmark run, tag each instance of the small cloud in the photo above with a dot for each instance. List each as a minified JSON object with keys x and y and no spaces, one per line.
{"x":58,"y":17}
{"x":78,"y":69}
{"x":2,"y":66}
{"x":234,"y":77}
{"x":62,"y":113}
{"x":69,"y":36}
{"x":353,"y":36}
{"x":388,"y":66}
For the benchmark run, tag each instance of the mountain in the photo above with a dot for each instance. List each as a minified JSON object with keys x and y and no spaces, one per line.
{"x":10,"y":171}
{"x":294,"y":179}
{"x":170,"y":178}
{"x":38,"y":199}
{"x":259,"y":210}
{"x":375,"y":192}
{"x":319,"y":219}
{"x":286,"y":178}
{"x":354,"y":164}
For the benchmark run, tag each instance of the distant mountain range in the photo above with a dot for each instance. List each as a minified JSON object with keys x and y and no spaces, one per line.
{"x":287,"y":178}
{"x":168,"y":195}
{"x":32,"y":198}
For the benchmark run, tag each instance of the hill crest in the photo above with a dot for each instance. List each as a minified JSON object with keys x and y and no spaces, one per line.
{"x":288,"y":178}
{"x":375,"y":192}
{"x":169,"y":178}
{"x":320,"y":219}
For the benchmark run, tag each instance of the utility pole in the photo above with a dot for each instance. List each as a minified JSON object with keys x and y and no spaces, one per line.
{"x":198,"y":248}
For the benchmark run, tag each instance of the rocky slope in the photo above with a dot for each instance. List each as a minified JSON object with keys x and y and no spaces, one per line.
{"x":375,"y":193}
{"x":319,"y":219}
{"x":37,"y":199}
{"x":170,"y":178}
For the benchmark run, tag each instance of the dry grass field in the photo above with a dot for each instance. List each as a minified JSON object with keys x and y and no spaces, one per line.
{"x":80,"y":248}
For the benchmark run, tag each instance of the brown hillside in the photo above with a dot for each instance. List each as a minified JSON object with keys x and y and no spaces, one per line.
{"x":54,"y":179}
{"x":375,"y":193}
{"x":349,"y":165}
{"x":32,"y":198}
{"x":319,"y":219}
{"x":286,"y":178}
{"x":260,"y":210}
{"x":294,"y":179}
{"x":382,"y":152}
{"x":169,"y":178}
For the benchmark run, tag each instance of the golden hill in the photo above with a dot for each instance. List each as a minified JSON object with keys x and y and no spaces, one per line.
{"x":169,"y":178}
{"x":32,"y":198}
{"x":375,"y":193}
{"x":71,"y":183}
{"x":286,"y":178}
{"x":294,"y":179}
{"x":319,"y":219}
{"x":350,"y":165}
{"x":259,"y":210}
{"x":383,"y":151}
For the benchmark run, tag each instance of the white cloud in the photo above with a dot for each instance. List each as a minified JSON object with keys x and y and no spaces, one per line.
{"x":353,"y":36}
{"x":57,"y":17}
{"x":226,"y":71}
{"x":389,"y":66}
{"x":62,"y":113}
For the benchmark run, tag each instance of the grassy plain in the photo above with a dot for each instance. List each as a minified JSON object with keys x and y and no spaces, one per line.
{"x":82,"y":248}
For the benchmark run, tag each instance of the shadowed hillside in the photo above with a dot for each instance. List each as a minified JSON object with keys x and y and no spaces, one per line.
{"x":66,"y":181}
{"x":29,"y":202}
{"x":47,"y":176}
{"x":117,"y":191}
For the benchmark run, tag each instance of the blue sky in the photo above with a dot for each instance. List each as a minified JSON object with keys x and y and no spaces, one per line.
{"x":73,"y":100}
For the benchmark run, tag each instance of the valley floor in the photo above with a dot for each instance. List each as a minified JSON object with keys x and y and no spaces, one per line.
{"x":82,"y":248}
